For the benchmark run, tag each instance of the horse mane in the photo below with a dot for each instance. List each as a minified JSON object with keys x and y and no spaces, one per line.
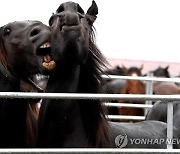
{"x":93,"y":113}
{"x":3,"y":57}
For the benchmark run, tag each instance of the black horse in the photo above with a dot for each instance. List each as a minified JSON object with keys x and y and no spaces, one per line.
{"x":161,"y":72}
{"x":19,"y":42}
{"x":75,"y":66}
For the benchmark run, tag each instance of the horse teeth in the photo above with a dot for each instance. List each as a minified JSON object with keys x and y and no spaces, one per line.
{"x":46,"y":45}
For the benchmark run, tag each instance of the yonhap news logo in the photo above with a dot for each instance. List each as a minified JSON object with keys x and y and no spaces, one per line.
{"x":154,"y":141}
{"x":122,"y":140}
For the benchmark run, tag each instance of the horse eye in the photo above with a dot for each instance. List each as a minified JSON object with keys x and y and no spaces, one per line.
{"x":6,"y":31}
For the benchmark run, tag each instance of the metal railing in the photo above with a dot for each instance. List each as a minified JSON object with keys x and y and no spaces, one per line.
{"x":91,"y":151}
{"x":149,"y":79}
{"x":165,"y":98}
{"x":144,"y":78}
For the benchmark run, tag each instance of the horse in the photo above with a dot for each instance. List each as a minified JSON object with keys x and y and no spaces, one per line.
{"x":113,"y":86}
{"x":19,"y":42}
{"x":132,"y":87}
{"x":164,"y":88}
{"x":74,"y":65}
{"x":161,"y":72}
{"x":117,"y":70}
{"x":159,"y":112}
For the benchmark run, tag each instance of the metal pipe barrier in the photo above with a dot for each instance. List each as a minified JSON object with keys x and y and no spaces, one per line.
{"x":125,"y":117}
{"x":164,"y":98}
{"x":90,"y":151}
{"x":119,"y":105}
{"x":149,"y":90}
{"x":172,"y":79}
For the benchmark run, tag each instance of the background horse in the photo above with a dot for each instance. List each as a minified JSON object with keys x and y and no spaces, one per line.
{"x":164,"y":88}
{"x":19,"y":42}
{"x":113,"y":86}
{"x":132,"y":87}
{"x":159,"y":112}
{"x":75,"y":66}
{"x":161,"y":72}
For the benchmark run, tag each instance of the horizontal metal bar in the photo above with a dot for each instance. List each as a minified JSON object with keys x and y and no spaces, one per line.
{"x":125,"y":117}
{"x":134,"y":97}
{"x":119,"y":105}
{"x":92,"y":151}
{"x":142,"y":78}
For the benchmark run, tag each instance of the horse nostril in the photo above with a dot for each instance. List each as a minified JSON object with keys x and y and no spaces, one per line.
{"x":72,"y":19}
{"x":34,"y":32}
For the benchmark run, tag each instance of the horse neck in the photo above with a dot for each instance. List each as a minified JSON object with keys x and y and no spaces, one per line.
{"x":65,"y":79}
{"x":70,"y":126}
{"x":85,"y":118}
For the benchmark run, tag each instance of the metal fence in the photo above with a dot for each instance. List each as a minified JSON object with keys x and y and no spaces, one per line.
{"x":149,"y":80}
{"x":165,"y":98}
{"x":90,"y":151}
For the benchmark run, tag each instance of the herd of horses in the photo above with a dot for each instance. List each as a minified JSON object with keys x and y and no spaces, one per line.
{"x":66,"y":52}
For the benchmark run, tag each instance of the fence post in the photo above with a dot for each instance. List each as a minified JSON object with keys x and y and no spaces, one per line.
{"x":169,"y":125}
{"x":149,"y":91}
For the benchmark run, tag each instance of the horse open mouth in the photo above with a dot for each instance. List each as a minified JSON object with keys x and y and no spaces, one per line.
{"x":44,"y":53}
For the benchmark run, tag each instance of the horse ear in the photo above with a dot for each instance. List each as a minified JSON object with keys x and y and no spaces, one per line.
{"x":166,"y":68}
{"x":142,"y":66}
{"x":124,"y":69}
{"x":92,"y":12}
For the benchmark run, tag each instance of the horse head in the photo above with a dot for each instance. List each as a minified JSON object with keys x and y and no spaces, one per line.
{"x":71,"y":31}
{"x":161,"y":72}
{"x":19,"y":43}
{"x":133,"y":71}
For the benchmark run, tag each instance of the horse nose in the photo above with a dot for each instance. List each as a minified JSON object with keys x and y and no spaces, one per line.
{"x":37,"y":31}
{"x":71,"y":19}
{"x":34,"y":32}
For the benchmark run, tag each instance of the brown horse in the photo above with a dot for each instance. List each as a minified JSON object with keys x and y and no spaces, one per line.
{"x":166,"y":88}
{"x":132,"y":87}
